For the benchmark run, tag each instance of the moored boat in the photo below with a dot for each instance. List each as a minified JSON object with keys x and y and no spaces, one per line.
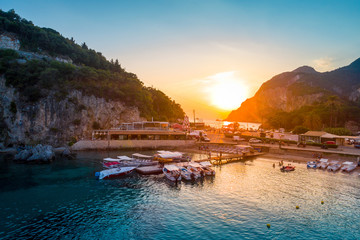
{"x":206,"y":166}
{"x":114,"y":172}
{"x":334,"y":166}
{"x":167,"y":156}
{"x":348,"y":167}
{"x":323,"y":163}
{"x":196,"y":169}
{"x":172,"y":173}
{"x":287,"y":168}
{"x":187,"y":175}
{"x":311,"y":164}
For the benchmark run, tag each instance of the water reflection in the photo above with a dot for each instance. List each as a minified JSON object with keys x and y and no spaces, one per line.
{"x":63,"y":200}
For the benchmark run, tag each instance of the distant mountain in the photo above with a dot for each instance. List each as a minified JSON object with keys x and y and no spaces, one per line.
{"x":305,"y":97}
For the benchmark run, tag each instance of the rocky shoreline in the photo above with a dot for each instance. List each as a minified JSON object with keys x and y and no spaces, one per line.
{"x":37,"y":154}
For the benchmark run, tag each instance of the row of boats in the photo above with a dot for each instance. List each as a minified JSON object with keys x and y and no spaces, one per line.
{"x":186,"y":170}
{"x":332,"y":165}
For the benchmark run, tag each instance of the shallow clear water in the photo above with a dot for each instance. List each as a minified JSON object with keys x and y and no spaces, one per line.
{"x":63,"y":200}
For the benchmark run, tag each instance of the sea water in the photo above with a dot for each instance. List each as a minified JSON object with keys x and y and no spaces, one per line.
{"x":63,"y":200}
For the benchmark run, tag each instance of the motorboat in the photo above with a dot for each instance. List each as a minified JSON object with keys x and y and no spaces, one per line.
{"x":125,"y":161}
{"x":172,"y":173}
{"x":114,"y":172}
{"x":111,"y":162}
{"x":167,"y":156}
{"x":196,"y":169}
{"x":324,"y":163}
{"x":348,"y":166}
{"x":143,"y":160}
{"x":334,"y":166}
{"x":206,"y":166}
{"x":287,"y":168}
{"x":311,"y":164}
{"x":186,"y":174}
{"x":121,"y":161}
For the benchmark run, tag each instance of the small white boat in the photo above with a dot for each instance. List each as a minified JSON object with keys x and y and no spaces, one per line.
{"x":187,"y":175}
{"x":348,"y":166}
{"x":196,"y":169}
{"x":114,"y":172}
{"x":112,"y":159}
{"x":172,"y":173}
{"x":143,"y":160}
{"x":141,"y":156}
{"x":167,"y":156}
{"x":323,"y":163}
{"x":207,"y":168}
{"x":334,"y":166}
{"x":311,"y":164}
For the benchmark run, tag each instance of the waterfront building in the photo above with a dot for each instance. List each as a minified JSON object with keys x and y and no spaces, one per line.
{"x":139,"y":131}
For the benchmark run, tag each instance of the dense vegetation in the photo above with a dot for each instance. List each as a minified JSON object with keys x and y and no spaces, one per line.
{"x":332,"y":113}
{"x":91,"y":72}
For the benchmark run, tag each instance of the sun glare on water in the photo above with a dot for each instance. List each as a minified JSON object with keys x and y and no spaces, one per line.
{"x":227,"y":91}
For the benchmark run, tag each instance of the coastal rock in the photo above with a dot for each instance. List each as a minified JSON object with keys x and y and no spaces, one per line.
{"x":38,"y":153}
{"x":23,"y":155}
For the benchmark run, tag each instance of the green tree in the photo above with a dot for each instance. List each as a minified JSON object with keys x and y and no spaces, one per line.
{"x":300,"y":130}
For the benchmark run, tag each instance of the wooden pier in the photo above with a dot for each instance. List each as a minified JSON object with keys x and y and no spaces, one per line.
{"x":228,"y":158}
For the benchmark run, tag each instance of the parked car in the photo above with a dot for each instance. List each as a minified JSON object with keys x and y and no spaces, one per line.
{"x":330,"y":142}
{"x":310,"y":141}
{"x":255,"y":140}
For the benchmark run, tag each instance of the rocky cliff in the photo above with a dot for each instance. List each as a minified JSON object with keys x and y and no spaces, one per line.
{"x":55,"y":91}
{"x":291,"y":91}
{"x":57,"y":121}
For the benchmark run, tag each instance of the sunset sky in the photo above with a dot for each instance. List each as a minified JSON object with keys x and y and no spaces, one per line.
{"x":207,"y":55}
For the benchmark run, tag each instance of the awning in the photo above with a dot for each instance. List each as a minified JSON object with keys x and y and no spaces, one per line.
{"x":138,"y":155}
{"x":126,"y":158}
{"x":112,"y":159}
{"x":206,"y":164}
{"x":171,"y":167}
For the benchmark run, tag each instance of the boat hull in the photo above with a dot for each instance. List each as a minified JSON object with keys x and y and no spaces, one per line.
{"x":114,"y":173}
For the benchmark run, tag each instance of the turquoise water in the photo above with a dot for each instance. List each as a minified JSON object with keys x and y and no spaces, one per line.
{"x":64,"y":201}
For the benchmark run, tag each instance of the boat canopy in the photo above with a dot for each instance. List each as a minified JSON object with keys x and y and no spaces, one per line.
{"x":138,"y":155}
{"x":171,"y":167}
{"x":124,"y":158}
{"x":194,"y":164}
{"x":206,"y":164}
{"x":168,"y":154}
{"x":348,"y":163}
{"x":324,"y":160}
{"x":112,"y":159}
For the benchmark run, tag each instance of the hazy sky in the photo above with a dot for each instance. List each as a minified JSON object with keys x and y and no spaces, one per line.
{"x":207,"y":55}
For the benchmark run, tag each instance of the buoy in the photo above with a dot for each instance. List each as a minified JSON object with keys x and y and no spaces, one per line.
{"x":322,"y":202}
{"x":297,"y":207}
{"x":268,"y":225}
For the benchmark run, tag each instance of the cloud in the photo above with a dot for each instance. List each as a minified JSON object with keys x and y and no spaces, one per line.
{"x":323,"y":64}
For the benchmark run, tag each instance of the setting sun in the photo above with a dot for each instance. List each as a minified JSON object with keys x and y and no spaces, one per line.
{"x":227,"y":91}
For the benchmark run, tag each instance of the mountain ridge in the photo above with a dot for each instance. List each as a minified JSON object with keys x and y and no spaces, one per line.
{"x":289,"y":93}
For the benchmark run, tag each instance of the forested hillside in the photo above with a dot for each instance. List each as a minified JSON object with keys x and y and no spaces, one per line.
{"x":90,"y":72}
